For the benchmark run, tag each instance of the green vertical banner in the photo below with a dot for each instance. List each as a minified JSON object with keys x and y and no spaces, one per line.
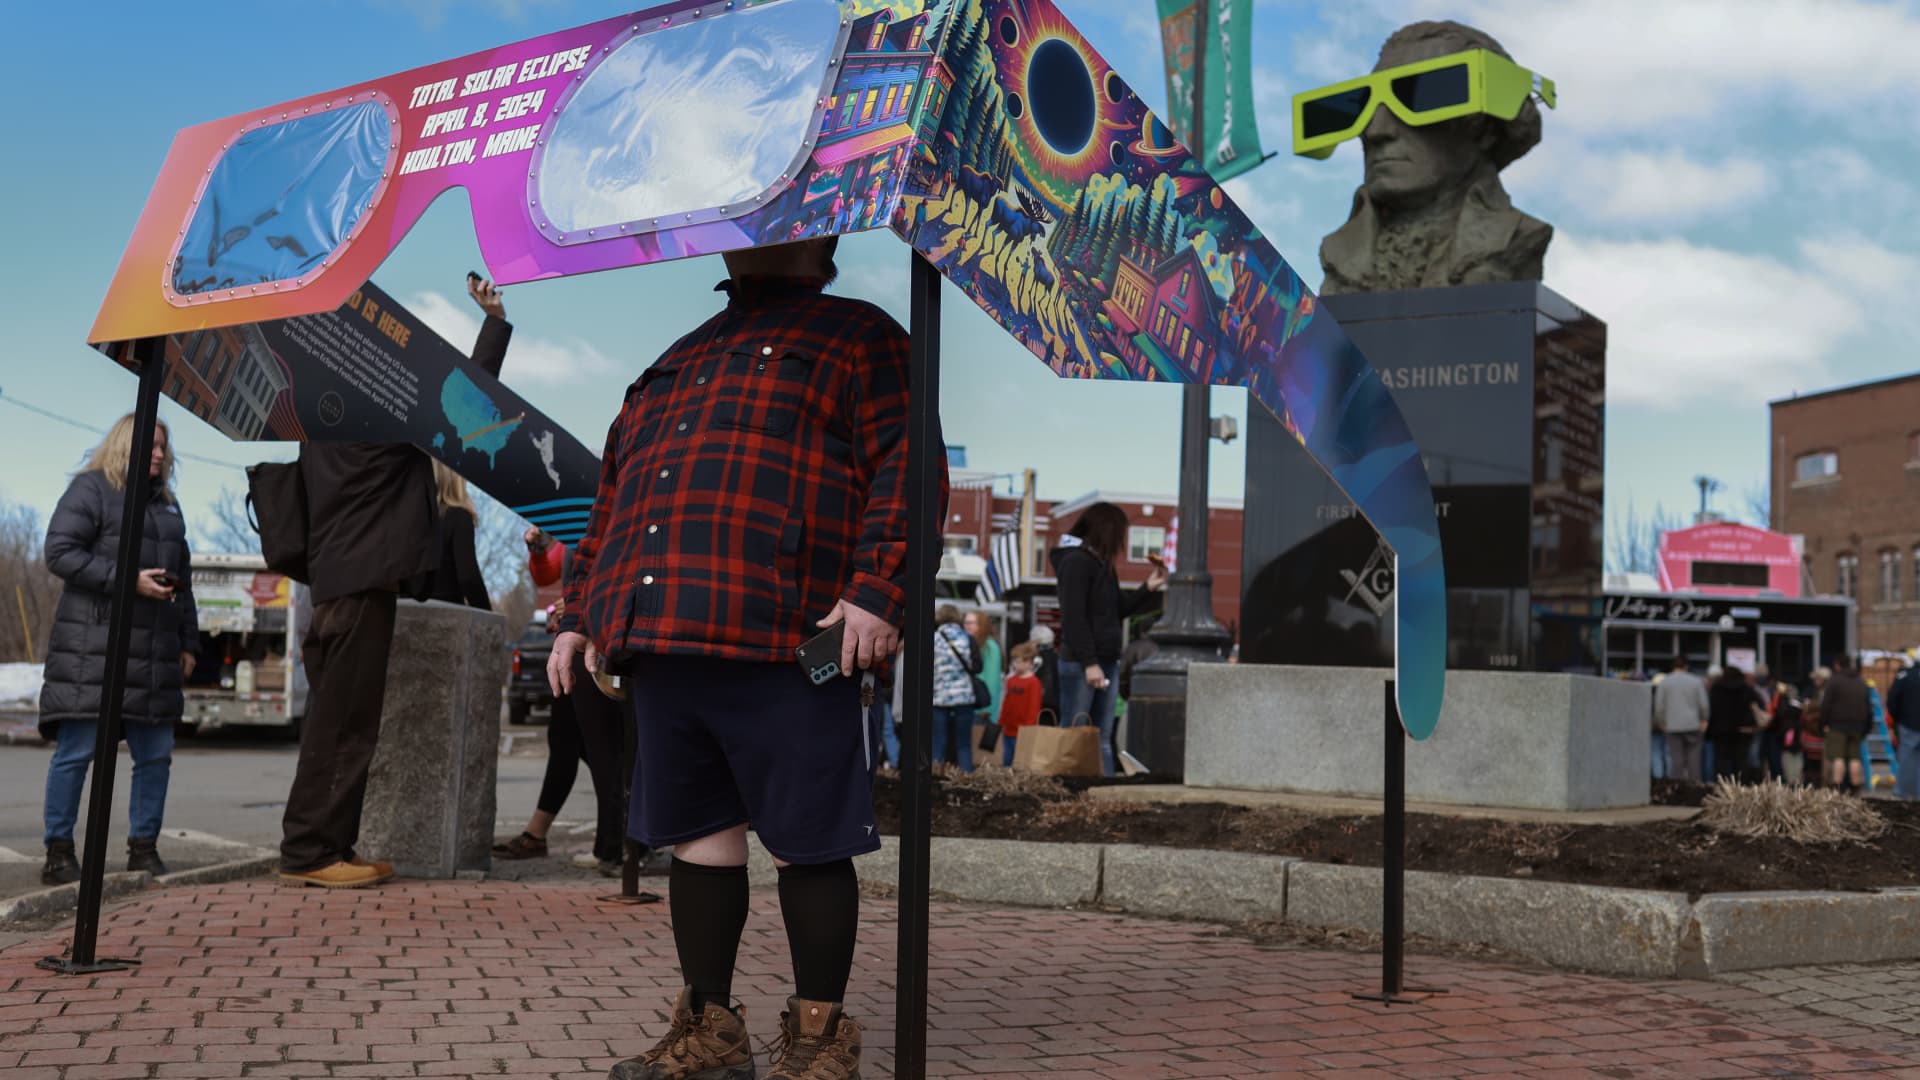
{"x":1209,"y":43}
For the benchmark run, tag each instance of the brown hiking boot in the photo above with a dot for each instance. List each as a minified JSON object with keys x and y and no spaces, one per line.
{"x":816,"y":1043}
{"x":708,"y":1045}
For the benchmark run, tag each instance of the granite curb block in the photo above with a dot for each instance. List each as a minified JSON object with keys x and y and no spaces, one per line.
{"x":1591,"y":927}
{"x":46,"y":903}
{"x":1216,"y":886}
{"x":1744,"y":931}
{"x":1021,"y":872}
{"x":220,"y":873}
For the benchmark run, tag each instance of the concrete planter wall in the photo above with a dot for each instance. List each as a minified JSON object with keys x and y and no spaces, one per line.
{"x":1634,"y":932}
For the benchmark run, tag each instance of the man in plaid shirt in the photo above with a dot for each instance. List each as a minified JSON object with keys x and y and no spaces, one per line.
{"x":753,"y":492}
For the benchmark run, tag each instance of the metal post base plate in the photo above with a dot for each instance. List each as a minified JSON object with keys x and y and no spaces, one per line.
{"x":66,"y":965}
{"x":631,"y":899}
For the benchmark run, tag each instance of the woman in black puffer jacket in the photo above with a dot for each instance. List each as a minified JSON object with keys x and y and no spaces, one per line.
{"x":83,"y":539}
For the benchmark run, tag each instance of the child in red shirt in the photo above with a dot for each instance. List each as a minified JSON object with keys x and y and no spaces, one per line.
{"x":1020,"y":702}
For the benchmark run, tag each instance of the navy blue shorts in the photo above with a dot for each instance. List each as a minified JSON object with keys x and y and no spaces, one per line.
{"x":721,"y":743}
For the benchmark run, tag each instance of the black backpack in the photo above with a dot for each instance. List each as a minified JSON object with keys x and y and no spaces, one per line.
{"x":277,"y":510}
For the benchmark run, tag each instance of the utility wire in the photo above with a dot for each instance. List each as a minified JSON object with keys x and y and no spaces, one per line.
{"x":15,"y":401}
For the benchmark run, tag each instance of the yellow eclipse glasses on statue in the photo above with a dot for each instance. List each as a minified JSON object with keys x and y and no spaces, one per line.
{"x":1424,"y":92}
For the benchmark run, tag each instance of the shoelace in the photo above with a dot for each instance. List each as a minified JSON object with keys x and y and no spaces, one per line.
{"x":805,"y":1050}
{"x":675,"y":1044}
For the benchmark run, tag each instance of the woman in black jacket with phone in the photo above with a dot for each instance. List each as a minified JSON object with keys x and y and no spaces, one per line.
{"x":83,"y":540}
{"x":1092,"y":611}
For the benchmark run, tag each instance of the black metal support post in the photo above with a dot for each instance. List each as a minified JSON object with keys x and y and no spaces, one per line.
{"x":149,"y":354}
{"x":1393,"y":867}
{"x":916,"y":735}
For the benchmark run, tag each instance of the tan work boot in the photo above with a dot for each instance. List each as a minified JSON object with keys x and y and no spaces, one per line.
{"x":816,"y":1043}
{"x":378,"y":866}
{"x":708,"y":1045}
{"x":340,"y":875}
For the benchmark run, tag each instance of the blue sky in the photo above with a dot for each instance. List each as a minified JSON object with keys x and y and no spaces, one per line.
{"x":1731,"y":180}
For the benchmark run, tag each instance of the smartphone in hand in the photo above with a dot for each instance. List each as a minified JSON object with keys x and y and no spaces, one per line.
{"x":819,"y":657}
{"x":166,"y":580}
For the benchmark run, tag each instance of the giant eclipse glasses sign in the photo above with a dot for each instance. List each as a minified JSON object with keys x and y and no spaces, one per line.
{"x":1424,"y":92}
{"x":987,"y":134}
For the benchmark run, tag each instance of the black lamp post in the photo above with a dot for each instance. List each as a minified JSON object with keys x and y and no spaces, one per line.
{"x":1187,"y":632}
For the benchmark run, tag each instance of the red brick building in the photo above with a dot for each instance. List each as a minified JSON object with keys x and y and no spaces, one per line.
{"x":975,"y":513}
{"x":1846,"y":476}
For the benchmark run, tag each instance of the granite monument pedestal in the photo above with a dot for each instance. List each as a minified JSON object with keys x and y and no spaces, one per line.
{"x":1513,"y":739}
{"x":1503,"y":388}
{"x":430,"y":797}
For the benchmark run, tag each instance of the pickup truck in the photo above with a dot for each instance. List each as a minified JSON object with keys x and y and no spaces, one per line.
{"x":527,"y":686}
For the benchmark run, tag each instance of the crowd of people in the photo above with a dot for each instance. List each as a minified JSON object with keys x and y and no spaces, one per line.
{"x":1077,"y":684}
{"x":1726,"y":724}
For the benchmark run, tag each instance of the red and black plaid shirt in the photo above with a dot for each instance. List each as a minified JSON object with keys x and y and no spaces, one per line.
{"x":755,"y":477}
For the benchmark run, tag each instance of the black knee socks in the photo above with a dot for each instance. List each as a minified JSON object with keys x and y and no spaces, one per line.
{"x":709,"y":908}
{"x":821,"y":907}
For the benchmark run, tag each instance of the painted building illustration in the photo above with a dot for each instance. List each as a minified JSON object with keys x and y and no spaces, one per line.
{"x":227,"y":376}
{"x":868,"y":123}
{"x":1165,"y":317}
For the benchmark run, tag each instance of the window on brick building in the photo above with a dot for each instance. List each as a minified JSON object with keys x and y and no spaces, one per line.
{"x":1889,"y":578}
{"x":1144,"y":540}
{"x":1913,"y":448}
{"x":1849,"y":577}
{"x":1820,"y":465}
{"x":958,"y":545}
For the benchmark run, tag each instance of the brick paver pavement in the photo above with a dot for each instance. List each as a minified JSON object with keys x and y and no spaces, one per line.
{"x":503,"y":979}
{"x":1883,"y":995}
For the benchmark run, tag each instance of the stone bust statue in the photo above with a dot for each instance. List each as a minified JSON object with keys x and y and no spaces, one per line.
{"x":1431,"y":211}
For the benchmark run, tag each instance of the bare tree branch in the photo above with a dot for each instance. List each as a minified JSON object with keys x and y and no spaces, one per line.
{"x":1633,"y":541}
{"x":1759,"y":499}
{"x":502,"y":553}
{"x":28,"y":591}
{"x":226,"y":530}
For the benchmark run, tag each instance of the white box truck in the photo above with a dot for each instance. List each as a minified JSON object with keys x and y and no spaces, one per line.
{"x":249,"y":671}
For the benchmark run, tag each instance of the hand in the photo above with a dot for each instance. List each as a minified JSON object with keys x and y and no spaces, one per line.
{"x":1095,"y":677}
{"x":560,"y":661}
{"x":1157,"y":577}
{"x":486,"y":296}
{"x":559,"y":608}
{"x":149,"y":585}
{"x":537,"y":538}
{"x":187,"y":661}
{"x":869,"y":640}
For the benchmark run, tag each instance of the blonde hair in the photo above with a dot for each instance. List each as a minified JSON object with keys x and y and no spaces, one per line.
{"x":109,"y":459}
{"x":452,"y":489}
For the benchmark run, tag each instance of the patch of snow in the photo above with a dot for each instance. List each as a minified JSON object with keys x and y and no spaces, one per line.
{"x":20,"y":686}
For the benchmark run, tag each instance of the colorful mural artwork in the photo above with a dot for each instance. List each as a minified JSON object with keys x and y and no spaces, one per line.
{"x":1060,"y":204}
{"x":987,"y":133}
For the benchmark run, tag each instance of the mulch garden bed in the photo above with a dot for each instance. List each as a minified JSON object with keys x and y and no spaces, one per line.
{"x":1674,"y":856}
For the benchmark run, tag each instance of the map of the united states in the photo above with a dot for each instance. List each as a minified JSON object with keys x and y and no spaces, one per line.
{"x":475,"y":417}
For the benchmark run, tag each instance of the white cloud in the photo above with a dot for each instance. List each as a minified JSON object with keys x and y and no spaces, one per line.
{"x":1654,"y":65}
{"x":1691,"y":326}
{"x":1253,"y":193}
{"x":1853,"y":261}
{"x":1640,"y":187}
{"x":530,"y":359}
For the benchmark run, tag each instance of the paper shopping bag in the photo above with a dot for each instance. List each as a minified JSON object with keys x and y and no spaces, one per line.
{"x":1053,"y":751}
